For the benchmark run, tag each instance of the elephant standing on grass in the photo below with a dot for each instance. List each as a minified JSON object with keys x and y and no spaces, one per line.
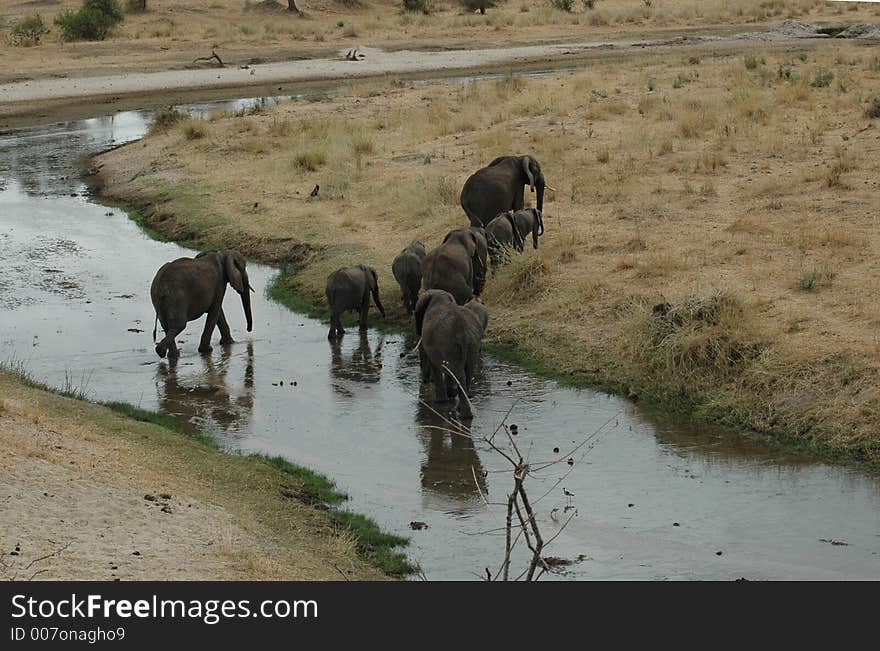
{"x":499,"y":187}
{"x":451,"y":338}
{"x":458,"y":265}
{"x":349,"y":289}
{"x":407,"y":270}
{"x":187,"y":288}
{"x":529,"y":220}
{"x":501,"y":236}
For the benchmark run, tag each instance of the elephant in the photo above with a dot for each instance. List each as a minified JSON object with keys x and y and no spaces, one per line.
{"x":458,"y":265}
{"x":349,"y":288}
{"x":451,"y":338}
{"x":502,"y":235}
{"x":407,"y":270}
{"x":529,"y":220}
{"x":186,"y":288}
{"x":499,"y":187}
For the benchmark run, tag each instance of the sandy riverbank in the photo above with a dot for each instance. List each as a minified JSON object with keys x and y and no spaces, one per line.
{"x":88,"y":494}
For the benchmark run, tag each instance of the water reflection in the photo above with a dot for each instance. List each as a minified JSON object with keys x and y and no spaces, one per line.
{"x":451,"y":460}
{"x":209,"y":397}
{"x":360,"y":366}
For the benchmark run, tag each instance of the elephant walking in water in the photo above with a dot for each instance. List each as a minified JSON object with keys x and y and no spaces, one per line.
{"x":451,"y":338}
{"x":499,"y":187}
{"x":458,"y":265}
{"x":407,"y":270}
{"x":347,"y":289}
{"x":187,"y":288}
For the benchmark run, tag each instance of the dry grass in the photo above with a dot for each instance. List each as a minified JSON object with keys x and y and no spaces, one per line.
{"x":758,"y":202}
{"x":174,"y":32}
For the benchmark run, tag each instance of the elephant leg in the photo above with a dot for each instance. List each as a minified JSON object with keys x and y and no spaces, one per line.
{"x":210,"y":324}
{"x":365,"y":309}
{"x":335,"y":326}
{"x":223,"y":327}
{"x":167,"y":346}
{"x":424,"y":365}
{"x":462,"y":389}
{"x":438,"y":377}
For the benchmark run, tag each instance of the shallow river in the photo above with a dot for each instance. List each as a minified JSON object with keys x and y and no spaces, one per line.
{"x":652,"y":498}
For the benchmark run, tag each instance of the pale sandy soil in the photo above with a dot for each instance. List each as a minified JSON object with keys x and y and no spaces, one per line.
{"x":73,"y":481}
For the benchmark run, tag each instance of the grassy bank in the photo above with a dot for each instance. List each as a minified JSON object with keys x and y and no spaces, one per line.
{"x":297,"y":512}
{"x":173,"y":33}
{"x":707,"y":246}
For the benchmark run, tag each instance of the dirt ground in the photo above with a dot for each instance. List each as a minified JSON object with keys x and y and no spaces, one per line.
{"x":734,"y":193}
{"x":86,"y":494}
{"x":173,"y":33}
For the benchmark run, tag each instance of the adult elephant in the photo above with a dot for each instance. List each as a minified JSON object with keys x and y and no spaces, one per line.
{"x":499,"y":187}
{"x":451,"y":338}
{"x":502,"y":235}
{"x":407,"y":270}
{"x":185,"y":289}
{"x":350,"y":288}
{"x":529,"y":220}
{"x":458,"y":265}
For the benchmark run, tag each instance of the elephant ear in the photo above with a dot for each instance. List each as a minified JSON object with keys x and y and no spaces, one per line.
{"x":234,"y":267}
{"x":527,"y":168}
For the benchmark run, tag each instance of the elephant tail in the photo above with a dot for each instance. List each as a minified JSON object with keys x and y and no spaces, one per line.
{"x":155,"y":325}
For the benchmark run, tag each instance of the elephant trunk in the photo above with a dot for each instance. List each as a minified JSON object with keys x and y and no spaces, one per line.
{"x":246,"y":304}
{"x":540,"y":199}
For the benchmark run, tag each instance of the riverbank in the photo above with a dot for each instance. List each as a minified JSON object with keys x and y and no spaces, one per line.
{"x":173,"y":34}
{"x":736,"y":192}
{"x":93,"y":493}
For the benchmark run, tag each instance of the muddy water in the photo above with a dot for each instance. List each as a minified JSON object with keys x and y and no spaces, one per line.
{"x":651,"y":498}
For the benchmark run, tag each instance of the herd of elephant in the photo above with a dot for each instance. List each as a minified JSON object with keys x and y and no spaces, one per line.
{"x":450,"y":318}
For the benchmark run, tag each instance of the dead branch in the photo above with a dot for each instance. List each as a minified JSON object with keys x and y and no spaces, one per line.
{"x":43,"y":558}
{"x":213,"y":56}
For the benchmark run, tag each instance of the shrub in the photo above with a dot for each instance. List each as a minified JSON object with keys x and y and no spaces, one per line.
{"x":109,"y":8}
{"x":590,"y":4}
{"x":562,"y":5}
{"x":165,"y":119}
{"x":873,"y":110}
{"x":753,"y":62}
{"x":474,"y":5}
{"x":91,"y":22}
{"x":310,"y":161}
{"x":417,"y":5}
{"x":136,"y":6}
{"x":28,"y":31}
{"x":194,"y":129}
{"x":823,"y":78}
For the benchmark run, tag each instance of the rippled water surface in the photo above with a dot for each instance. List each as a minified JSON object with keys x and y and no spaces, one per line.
{"x":652,"y":498}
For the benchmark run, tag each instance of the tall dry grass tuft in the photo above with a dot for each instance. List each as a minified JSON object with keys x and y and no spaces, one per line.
{"x":709,"y":334}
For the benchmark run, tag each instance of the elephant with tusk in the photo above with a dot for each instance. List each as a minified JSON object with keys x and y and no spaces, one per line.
{"x":187,"y":288}
{"x":499,"y":187}
{"x":350,"y":288}
{"x":451,"y":338}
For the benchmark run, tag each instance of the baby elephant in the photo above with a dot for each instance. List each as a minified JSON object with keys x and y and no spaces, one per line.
{"x":502,"y":235}
{"x":187,"y":288}
{"x":407,"y":270}
{"x":349,"y":288}
{"x":451,"y":338}
{"x":529,"y":220}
